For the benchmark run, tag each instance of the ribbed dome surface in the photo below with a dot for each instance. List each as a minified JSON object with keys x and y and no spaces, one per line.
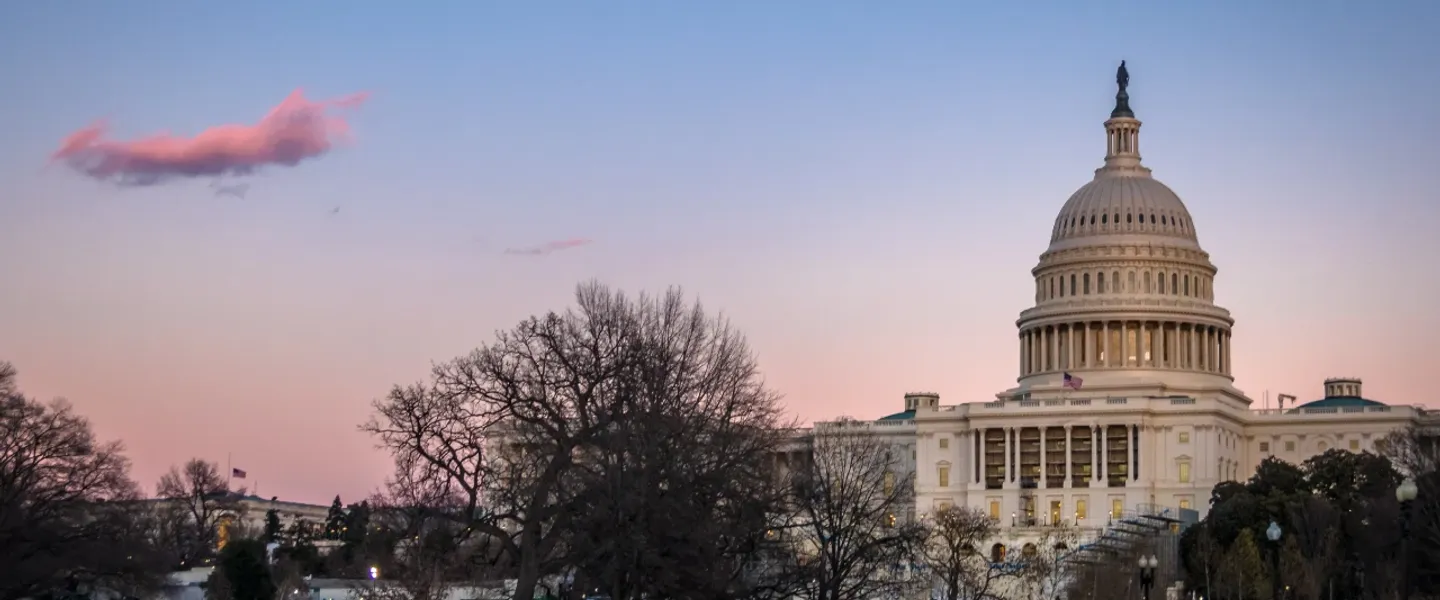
{"x":1123,"y":205}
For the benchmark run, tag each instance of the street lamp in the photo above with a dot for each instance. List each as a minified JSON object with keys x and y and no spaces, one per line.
{"x":1147,"y":575}
{"x":1406,"y":493}
{"x":1273,"y":534}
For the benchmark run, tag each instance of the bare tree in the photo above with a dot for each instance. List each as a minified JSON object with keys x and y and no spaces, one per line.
{"x":1044,"y":567}
{"x":954,"y":552}
{"x":1415,"y":451}
{"x":196,"y":498}
{"x":854,"y":525}
{"x":613,"y":440}
{"x":68,"y":513}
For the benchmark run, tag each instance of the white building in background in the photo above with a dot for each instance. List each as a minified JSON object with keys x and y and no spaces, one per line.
{"x":1150,"y":419}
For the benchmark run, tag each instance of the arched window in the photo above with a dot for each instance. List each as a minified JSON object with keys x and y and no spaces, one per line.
{"x":1100,"y":282}
{"x":1187,"y":285}
{"x":1087,"y":284}
{"x":1130,"y":282}
{"x":1162,"y":282}
{"x":1174,"y":283}
{"x":997,"y":553}
{"x":1052,"y":287}
{"x":1147,"y":281}
{"x":1072,"y":284}
{"x":1028,"y":550}
{"x":1128,"y":218}
{"x":1105,"y":219}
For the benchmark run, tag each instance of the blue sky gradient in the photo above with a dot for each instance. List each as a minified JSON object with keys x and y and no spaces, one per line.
{"x":863,"y":187}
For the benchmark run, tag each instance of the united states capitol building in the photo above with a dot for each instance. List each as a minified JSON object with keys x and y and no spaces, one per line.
{"x":1125,"y":405}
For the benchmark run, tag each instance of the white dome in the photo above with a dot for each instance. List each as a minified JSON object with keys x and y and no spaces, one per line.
{"x":1121,"y":204}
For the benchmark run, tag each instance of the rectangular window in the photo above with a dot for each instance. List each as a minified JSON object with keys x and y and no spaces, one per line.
{"x":1264,"y":446}
{"x":1087,"y":283}
{"x":943,"y":504}
{"x":1184,"y":471}
{"x":944,"y":473}
{"x":944,"y":443}
{"x":1289,"y":446}
{"x":1117,"y":508}
{"x":1354,"y":445}
{"x":889,"y":483}
{"x":1184,"y":437}
{"x":995,"y":510}
{"x":1184,"y":503}
{"x":1080,"y":508}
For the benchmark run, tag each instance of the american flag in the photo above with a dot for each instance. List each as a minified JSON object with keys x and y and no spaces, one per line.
{"x":238,"y":474}
{"x":1073,"y":382}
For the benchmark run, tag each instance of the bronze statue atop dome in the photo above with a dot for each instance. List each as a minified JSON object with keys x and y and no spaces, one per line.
{"x":1122,"y":98}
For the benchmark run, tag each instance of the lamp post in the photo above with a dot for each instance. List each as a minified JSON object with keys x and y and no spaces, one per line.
{"x":1405,"y":493}
{"x":1272,"y":533}
{"x":1147,"y":575}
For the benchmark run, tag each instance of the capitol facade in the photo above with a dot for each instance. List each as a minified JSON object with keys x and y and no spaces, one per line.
{"x":1125,"y":405}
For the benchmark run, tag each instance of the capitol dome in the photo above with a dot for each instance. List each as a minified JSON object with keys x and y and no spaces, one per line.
{"x":1124,"y":292}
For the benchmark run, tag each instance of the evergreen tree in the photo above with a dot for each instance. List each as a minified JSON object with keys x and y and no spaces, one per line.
{"x":357,"y":522}
{"x":272,"y":525}
{"x":243,"y":573}
{"x":335,"y":520}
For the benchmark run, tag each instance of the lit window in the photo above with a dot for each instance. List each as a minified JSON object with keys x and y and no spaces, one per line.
{"x":1184,"y":471}
{"x":995,"y":510}
{"x":1184,"y":437}
{"x":1080,"y":508}
{"x":890,"y":520}
{"x":944,"y":443}
{"x":1117,"y":508}
{"x":1354,"y":445}
{"x":1184,"y":503}
{"x":1264,"y":446}
{"x":944,"y":473}
{"x":889,"y":483}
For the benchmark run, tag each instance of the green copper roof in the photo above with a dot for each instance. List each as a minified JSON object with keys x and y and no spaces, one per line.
{"x":900,"y":416}
{"x":1340,"y":401}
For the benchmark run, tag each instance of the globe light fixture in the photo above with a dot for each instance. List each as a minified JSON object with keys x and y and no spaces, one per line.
{"x":1407,"y":491}
{"x":1272,"y":532}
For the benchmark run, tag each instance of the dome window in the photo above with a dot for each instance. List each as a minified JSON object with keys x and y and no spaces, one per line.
{"x":1162,"y":220}
{"x":1128,"y":218}
{"x":1092,"y":219}
{"x":1117,"y":218}
{"x":1104,"y":219}
{"x":1152,"y":218}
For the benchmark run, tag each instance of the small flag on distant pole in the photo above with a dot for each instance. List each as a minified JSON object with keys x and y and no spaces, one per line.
{"x":1071,"y":382}
{"x":239,"y":474}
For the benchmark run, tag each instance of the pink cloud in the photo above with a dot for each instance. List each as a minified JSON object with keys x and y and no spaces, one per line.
{"x":295,"y":130}
{"x":549,"y":247}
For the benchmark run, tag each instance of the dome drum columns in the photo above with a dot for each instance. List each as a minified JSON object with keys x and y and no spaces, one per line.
{"x":1124,"y":344}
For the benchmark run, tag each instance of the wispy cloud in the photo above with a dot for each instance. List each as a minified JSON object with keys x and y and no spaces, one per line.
{"x":549,"y":247}
{"x":237,"y":190}
{"x":295,"y":130}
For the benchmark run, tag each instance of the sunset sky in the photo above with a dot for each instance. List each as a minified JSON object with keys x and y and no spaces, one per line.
{"x":863,"y":187}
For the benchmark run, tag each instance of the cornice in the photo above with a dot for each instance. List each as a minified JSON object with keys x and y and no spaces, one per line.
{"x":1137,"y":309}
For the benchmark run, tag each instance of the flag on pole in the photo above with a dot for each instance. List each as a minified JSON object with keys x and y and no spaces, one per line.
{"x":239,"y":474}
{"x":1073,"y":382}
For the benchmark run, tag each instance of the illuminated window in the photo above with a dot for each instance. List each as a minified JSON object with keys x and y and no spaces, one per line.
{"x":1264,"y":446}
{"x":1354,"y":445}
{"x":1184,"y":471}
{"x":890,"y":520}
{"x":943,"y":471}
{"x":889,"y":483}
{"x":1184,"y":503}
{"x":944,"y":443}
{"x":995,"y":510}
{"x":1081,"y":508}
{"x":1117,"y":508}
{"x":1184,"y":437}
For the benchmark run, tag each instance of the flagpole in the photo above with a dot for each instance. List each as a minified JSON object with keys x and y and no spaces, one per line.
{"x":228,"y":472}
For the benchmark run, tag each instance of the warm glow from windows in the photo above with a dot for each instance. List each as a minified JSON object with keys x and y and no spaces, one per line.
{"x":1117,"y":508}
{"x":944,"y":443}
{"x":1184,"y":471}
{"x":1080,"y":508}
{"x":995,"y":509}
{"x":889,"y":483}
{"x":1185,"y":503}
{"x":944,"y":475}
{"x":1184,"y":437}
